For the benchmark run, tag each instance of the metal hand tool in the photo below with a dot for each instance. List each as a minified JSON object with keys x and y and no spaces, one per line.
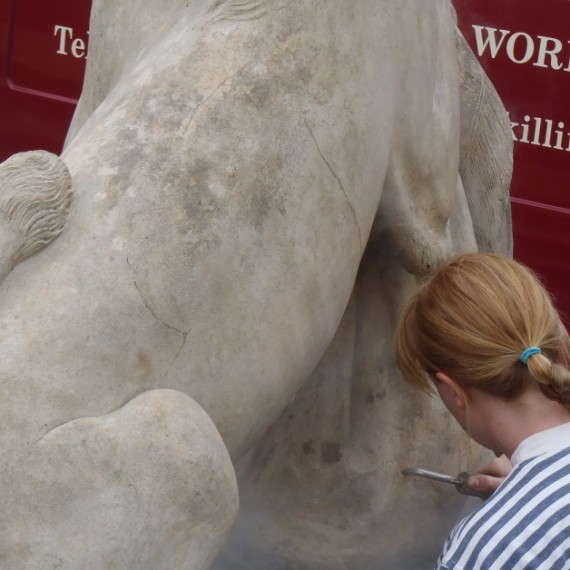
{"x":460,"y":481}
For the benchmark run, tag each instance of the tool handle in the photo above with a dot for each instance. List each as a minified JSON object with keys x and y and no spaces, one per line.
{"x":462,"y":486}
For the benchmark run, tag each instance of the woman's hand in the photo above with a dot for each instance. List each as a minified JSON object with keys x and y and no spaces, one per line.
{"x":491,"y":475}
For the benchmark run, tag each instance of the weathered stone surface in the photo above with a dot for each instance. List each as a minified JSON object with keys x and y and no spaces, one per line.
{"x":147,"y":486}
{"x":258,"y":187}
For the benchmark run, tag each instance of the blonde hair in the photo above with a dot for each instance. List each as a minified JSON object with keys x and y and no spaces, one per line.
{"x":473,"y":319}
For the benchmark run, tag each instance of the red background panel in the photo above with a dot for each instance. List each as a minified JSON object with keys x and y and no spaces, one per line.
{"x":38,"y":87}
{"x":536,"y":245}
{"x":540,"y":189}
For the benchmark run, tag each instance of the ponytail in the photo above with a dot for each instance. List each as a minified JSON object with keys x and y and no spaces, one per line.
{"x":553,"y":379}
{"x":486,"y":321}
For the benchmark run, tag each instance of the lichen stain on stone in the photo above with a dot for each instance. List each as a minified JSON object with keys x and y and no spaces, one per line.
{"x":308,"y":447}
{"x":330,"y":452}
{"x":122,"y":170}
{"x":371,"y":398}
{"x":143,"y":364}
{"x":255,"y":91}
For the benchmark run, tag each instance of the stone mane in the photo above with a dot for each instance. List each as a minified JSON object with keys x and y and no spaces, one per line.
{"x":35,"y":197}
{"x":239,"y":9}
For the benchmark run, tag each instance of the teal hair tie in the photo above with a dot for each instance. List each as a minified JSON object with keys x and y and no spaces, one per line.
{"x":528,"y":352}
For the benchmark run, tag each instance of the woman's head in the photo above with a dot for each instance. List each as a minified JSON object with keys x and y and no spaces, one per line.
{"x":474,"y":319}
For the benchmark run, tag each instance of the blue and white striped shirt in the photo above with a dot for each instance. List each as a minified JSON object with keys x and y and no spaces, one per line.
{"x":525,"y":525}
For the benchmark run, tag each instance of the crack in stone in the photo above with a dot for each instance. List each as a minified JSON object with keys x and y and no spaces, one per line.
{"x":157,"y":318}
{"x":186,"y":123}
{"x":341,"y":185}
{"x":135,"y":490}
{"x":161,"y":321}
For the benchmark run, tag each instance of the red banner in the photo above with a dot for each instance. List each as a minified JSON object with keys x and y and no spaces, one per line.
{"x":524,"y":46}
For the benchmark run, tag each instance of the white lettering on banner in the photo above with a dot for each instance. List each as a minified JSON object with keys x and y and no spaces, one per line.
{"x":521,"y":47}
{"x":66,"y":41}
{"x":539,"y":131}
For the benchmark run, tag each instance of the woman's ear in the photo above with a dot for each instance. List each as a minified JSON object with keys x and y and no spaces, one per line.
{"x":451,"y":393}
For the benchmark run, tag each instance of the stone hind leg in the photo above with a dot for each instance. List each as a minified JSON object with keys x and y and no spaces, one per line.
{"x":147,"y":487}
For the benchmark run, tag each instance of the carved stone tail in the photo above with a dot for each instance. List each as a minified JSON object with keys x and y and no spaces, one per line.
{"x":35,"y":195}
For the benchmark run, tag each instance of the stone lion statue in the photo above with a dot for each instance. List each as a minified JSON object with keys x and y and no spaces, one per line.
{"x":257,"y":187}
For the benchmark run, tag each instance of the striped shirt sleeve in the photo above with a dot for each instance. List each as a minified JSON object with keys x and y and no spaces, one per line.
{"x":525,"y":525}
